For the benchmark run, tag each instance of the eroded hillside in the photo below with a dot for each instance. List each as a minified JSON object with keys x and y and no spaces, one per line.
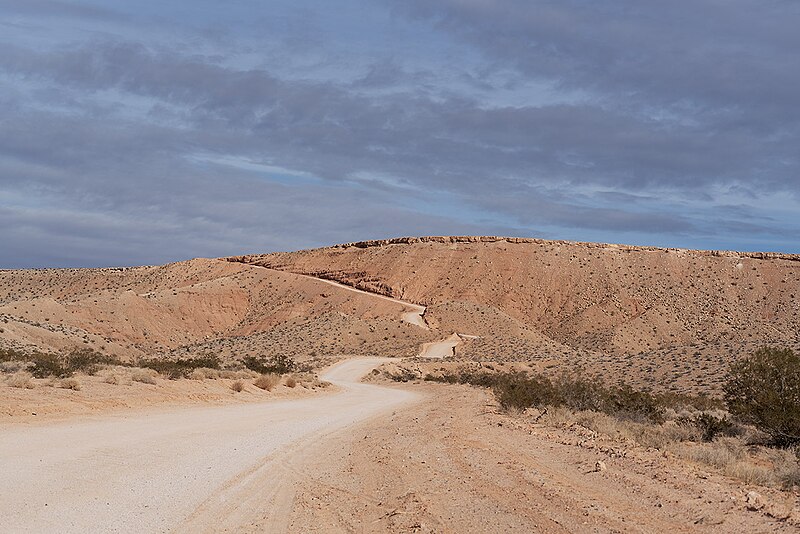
{"x":197,"y":306}
{"x":665,"y":316}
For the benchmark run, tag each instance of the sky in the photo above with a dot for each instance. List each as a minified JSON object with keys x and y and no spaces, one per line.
{"x":155,"y":131}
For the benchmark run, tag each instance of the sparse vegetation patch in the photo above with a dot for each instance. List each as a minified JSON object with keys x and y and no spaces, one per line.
{"x":182,"y":367}
{"x":44,"y":365}
{"x":764,"y":390}
{"x":275,"y":364}
{"x":527,"y":390}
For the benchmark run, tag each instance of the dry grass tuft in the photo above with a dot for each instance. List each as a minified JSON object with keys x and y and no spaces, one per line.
{"x":203,"y":373}
{"x":111,"y":378}
{"x":22,"y":380}
{"x":291,"y":382}
{"x":238,"y":375}
{"x":145,"y":376}
{"x":730,"y":456}
{"x":70,"y":383}
{"x":237,"y":386}
{"x":267,"y":381}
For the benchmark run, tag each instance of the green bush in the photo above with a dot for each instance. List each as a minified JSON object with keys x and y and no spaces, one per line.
{"x":44,"y":365}
{"x":280,"y":365}
{"x":86,"y":361}
{"x":764,"y":390}
{"x":180,"y":368}
{"x":710,"y":426}
{"x":523,"y":390}
{"x":520,"y":391}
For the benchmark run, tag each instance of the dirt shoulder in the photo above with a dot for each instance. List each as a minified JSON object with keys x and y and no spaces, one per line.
{"x":50,"y":399}
{"x":455,"y":464}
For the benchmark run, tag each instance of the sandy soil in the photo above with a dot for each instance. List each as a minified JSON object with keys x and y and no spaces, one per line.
{"x":191,"y":469}
{"x":455,"y":464}
{"x":48,"y":401}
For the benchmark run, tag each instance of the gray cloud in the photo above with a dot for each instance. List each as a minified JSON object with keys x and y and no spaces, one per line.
{"x":671,"y":123}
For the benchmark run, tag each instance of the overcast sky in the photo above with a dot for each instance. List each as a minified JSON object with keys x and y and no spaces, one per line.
{"x":151,"y":131}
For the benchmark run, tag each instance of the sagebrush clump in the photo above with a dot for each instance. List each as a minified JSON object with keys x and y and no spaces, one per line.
{"x":279,"y":365}
{"x":526,"y":390}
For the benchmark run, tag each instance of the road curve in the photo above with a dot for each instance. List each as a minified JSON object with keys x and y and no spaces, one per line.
{"x":174,"y":470}
{"x":441,"y":349}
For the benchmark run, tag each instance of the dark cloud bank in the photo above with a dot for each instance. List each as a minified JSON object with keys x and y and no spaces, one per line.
{"x":672,"y":124}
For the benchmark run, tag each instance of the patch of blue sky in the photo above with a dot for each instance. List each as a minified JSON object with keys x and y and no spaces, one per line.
{"x":261,"y":170}
{"x":457,"y":208}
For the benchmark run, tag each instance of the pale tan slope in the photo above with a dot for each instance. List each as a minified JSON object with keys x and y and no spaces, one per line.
{"x":193,"y":304}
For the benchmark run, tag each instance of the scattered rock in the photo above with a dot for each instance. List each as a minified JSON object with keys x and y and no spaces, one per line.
{"x":600,"y":466}
{"x":754,"y":501}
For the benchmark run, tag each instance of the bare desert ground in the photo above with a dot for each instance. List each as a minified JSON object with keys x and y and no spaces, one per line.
{"x":123,"y":448}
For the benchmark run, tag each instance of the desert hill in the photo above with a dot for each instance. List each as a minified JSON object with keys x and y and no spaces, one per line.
{"x":667,"y":318}
{"x":195,"y":306}
{"x":661,"y":314}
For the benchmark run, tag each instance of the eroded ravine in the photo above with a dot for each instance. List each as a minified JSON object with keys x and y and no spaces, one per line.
{"x":413,"y":314}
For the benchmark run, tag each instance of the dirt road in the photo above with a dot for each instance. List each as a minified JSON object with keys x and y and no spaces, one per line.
{"x":440,"y":349}
{"x":188,"y":469}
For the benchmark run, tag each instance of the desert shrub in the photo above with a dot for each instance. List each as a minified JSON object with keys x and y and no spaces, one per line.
{"x":627,"y":402}
{"x":764,"y":390}
{"x":13,"y":366}
{"x":790,"y":478}
{"x":11,"y":355}
{"x":197,"y":374}
{"x":181,"y":367}
{"x":520,"y":391}
{"x":22,"y":380}
{"x":291,"y":382}
{"x":280,"y":365}
{"x":267,"y":382}
{"x":237,"y":386}
{"x":111,"y":378}
{"x":517,"y":391}
{"x":709,"y":425}
{"x":43,"y":365}
{"x":237,"y":375}
{"x":682,"y":401}
{"x":87,"y":361}
{"x":203,"y":373}
{"x":404,"y":375}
